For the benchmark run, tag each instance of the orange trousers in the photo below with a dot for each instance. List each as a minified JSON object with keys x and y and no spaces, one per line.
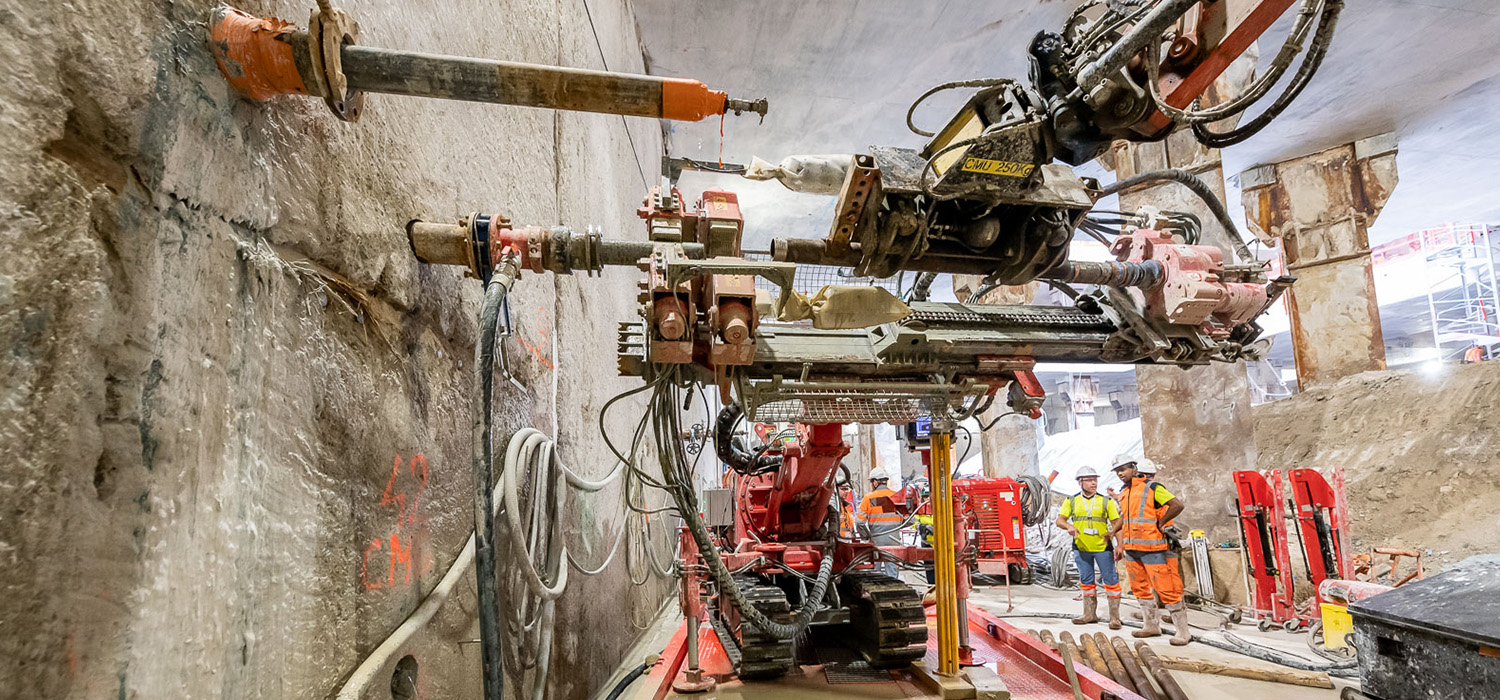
{"x":1154,"y":571}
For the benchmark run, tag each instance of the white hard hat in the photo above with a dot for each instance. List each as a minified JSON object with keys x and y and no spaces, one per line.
{"x":879,"y":473}
{"x":1086,"y":473}
{"x":1145,"y":466}
{"x":1123,"y":459}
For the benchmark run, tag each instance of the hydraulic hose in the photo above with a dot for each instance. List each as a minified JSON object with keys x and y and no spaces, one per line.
{"x":619,"y":689}
{"x":1198,"y":187}
{"x":1322,"y":39}
{"x":730,"y":453}
{"x":679,"y":482}
{"x":484,"y":450}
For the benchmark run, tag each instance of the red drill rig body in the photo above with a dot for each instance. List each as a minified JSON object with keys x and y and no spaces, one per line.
{"x":782,"y":523}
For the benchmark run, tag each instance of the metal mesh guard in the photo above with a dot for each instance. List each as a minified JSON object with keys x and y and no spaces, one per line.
{"x":777,"y":403}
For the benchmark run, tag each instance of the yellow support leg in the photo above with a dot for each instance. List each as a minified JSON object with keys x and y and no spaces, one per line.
{"x":943,"y":555}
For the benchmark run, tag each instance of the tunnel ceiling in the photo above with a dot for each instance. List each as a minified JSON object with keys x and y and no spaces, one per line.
{"x":840,"y":76}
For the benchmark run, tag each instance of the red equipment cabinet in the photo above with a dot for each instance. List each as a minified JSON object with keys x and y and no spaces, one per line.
{"x":997,"y":533}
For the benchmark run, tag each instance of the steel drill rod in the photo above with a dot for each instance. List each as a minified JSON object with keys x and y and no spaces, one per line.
{"x":265,"y":57}
{"x":1091,"y":655}
{"x":1145,"y":275}
{"x":1163,"y":677}
{"x":1116,"y":669}
{"x":1137,"y":676}
{"x":500,"y":82}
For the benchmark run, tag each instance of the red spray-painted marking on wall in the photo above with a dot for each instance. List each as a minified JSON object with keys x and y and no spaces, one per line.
{"x":408,"y":533}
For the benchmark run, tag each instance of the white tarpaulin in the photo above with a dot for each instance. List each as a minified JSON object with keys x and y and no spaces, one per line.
{"x":1091,"y":447}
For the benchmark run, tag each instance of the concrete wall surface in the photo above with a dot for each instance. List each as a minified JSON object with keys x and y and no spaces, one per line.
{"x":1420,"y":451}
{"x":234,"y":410}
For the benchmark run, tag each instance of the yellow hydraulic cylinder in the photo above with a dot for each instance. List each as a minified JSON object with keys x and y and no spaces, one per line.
{"x":942,"y":552}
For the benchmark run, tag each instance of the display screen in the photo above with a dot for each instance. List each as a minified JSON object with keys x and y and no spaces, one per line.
{"x":919,"y":433}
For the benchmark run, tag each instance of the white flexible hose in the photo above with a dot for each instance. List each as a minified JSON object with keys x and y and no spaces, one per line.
{"x":373,"y":667}
{"x":522,"y":445}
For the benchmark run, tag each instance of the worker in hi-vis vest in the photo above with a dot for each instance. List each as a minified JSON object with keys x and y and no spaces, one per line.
{"x":846,"y":509}
{"x":880,"y":517}
{"x":1148,"y":509}
{"x":1088,"y":517}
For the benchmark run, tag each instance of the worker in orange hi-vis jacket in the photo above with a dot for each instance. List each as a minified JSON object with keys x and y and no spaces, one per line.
{"x":846,"y":510}
{"x":1150,"y":557}
{"x":881,"y":517}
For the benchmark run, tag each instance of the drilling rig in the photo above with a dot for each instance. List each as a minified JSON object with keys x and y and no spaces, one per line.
{"x":992,"y":193}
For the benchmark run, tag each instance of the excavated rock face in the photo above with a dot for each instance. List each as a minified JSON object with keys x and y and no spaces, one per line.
{"x":1420,"y":451}
{"x":234,"y":410}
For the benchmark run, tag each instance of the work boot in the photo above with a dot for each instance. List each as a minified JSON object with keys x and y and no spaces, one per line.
{"x":1114,"y":613}
{"x":1151,"y":627}
{"x":1179,"y":620}
{"x":1090,"y":611}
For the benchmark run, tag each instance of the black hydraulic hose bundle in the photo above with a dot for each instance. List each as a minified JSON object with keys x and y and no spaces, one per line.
{"x":1322,"y":39}
{"x":1198,"y":187}
{"x":732,"y":452}
{"x":619,"y":689}
{"x":484,"y":450}
{"x":676,"y":473}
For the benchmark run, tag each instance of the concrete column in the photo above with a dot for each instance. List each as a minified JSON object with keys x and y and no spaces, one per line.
{"x":1196,"y":423}
{"x":1319,"y":208}
{"x":1009,"y":448}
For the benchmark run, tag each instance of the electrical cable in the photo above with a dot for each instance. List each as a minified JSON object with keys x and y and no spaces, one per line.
{"x":538,"y":559}
{"x":1036,"y":500}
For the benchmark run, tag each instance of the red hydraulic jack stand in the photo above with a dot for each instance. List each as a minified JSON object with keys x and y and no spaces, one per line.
{"x":1263,"y":532}
{"x":1322,"y":519}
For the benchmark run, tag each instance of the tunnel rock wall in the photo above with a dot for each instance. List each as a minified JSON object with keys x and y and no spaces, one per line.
{"x":234,"y":410}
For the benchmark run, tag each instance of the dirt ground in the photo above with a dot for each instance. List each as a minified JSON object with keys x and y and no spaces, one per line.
{"x":1420,"y":452}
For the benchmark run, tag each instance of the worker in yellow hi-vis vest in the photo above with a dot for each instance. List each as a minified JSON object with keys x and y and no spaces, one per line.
{"x":1088,"y":517}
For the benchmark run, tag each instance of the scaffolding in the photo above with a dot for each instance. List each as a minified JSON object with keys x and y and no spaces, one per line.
{"x":1463,"y":298}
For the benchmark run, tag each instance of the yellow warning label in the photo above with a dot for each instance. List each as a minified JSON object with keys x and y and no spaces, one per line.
{"x":997,"y":167}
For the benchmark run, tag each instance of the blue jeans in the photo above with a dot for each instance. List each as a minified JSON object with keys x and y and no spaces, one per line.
{"x":1102,"y":562}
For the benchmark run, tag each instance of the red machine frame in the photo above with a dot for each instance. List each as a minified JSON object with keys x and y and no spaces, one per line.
{"x":1321,"y":512}
{"x":993,"y":522}
{"x":1268,"y":560}
{"x":1322,"y":519}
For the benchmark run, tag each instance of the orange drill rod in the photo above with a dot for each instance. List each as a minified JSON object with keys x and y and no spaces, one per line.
{"x":262,"y":58}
